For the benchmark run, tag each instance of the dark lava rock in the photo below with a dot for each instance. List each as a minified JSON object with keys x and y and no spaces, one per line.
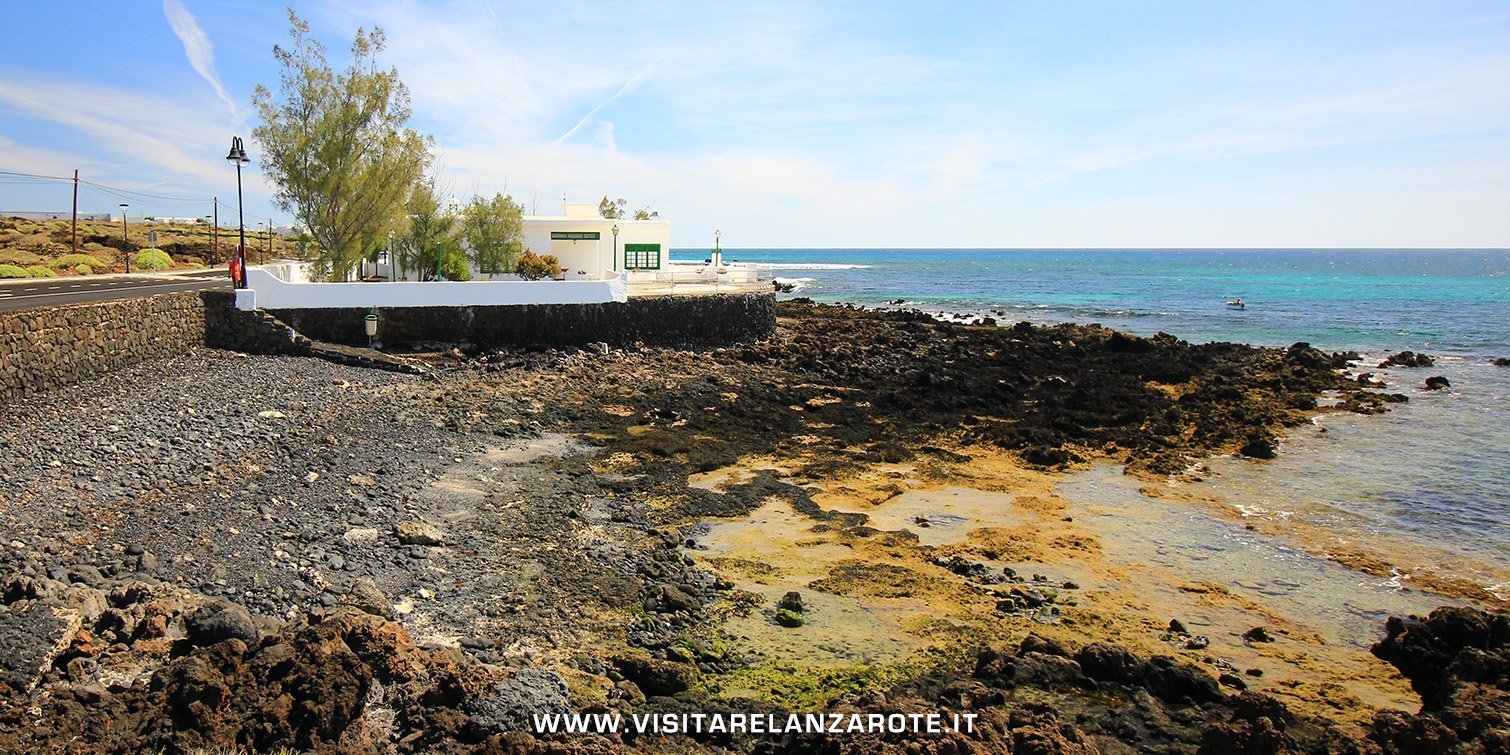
{"x":29,"y":631}
{"x":673,"y":599}
{"x":1437,"y":383}
{"x":1035,"y":643}
{"x":1232,"y":680}
{"x":1258,"y":634}
{"x":1502,"y":362}
{"x":1261,"y":447}
{"x":655,"y":677}
{"x":515,"y":701}
{"x":1175,"y":682}
{"x":1408,"y":359}
{"x":1451,"y":647}
{"x":792,"y":601}
{"x":218,"y":622}
{"x":1110,"y":663}
{"x":1198,"y":642}
{"x":1177,"y":627}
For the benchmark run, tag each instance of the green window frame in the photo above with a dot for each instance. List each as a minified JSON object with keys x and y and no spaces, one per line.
{"x":575,"y":236}
{"x":642,"y":256}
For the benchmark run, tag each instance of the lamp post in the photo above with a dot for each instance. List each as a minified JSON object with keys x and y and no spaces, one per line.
{"x":392,"y":261}
{"x":718,"y":252}
{"x":237,"y":156}
{"x":615,"y":247}
{"x":125,"y":252}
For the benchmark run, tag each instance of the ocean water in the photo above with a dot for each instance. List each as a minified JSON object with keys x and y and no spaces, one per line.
{"x":1433,"y":473}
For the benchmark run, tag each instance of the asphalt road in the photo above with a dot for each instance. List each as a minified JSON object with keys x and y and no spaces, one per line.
{"x":51,"y":292}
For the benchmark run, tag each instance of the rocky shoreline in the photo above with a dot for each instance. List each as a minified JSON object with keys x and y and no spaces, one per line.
{"x":218,"y":551}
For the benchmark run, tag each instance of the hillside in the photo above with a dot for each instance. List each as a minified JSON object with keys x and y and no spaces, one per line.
{"x":43,"y":248}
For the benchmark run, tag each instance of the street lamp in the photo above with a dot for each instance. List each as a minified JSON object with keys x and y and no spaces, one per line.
{"x":125,"y":250}
{"x":718,"y":252}
{"x":616,"y":247}
{"x":237,"y":156}
{"x":392,"y":263}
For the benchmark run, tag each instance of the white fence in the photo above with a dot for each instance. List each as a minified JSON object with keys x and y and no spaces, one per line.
{"x":287,"y":286}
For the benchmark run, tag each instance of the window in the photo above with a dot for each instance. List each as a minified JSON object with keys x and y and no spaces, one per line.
{"x":574,"y":235}
{"x":642,"y":256}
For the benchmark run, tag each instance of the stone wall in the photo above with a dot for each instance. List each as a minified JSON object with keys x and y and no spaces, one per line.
{"x":41,"y":349}
{"x":691,"y":321}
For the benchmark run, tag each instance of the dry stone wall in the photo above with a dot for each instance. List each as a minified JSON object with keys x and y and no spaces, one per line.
{"x":41,"y":349}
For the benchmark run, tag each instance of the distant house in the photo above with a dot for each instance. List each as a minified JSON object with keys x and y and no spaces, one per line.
{"x":586,"y":245}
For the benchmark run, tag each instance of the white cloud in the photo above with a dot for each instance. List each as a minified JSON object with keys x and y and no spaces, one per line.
{"x":197,"y":48}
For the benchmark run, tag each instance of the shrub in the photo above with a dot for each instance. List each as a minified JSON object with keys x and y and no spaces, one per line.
{"x":454,"y":267}
{"x":41,"y":271}
{"x":74,"y":260}
{"x":153,"y":259}
{"x":83,"y":270}
{"x":533,"y":267}
{"x":19,"y":258}
{"x":11,"y":271}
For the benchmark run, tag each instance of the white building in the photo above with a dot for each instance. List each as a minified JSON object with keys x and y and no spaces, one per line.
{"x":587,"y":245}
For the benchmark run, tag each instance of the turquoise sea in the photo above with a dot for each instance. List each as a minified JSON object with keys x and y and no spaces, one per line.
{"x":1433,"y":473}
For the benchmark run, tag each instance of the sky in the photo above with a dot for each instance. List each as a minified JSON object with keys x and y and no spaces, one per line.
{"x":828,"y":124}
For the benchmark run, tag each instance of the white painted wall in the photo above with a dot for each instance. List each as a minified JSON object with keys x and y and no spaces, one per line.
{"x":287,"y":286}
{"x":593,"y":257}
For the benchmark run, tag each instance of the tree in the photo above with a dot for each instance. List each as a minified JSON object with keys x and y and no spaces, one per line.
{"x":337,"y":146}
{"x":645,"y":213}
{"x":612,"y":209}
{"x":494,"y":232}
{"x":429,"y":231}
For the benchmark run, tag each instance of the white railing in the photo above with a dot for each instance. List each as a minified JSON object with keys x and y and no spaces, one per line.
{"x":287,"y":286}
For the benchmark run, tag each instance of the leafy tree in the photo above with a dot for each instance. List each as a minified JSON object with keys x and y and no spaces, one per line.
{"x":429,"y":229}
{"x":494,"y":232}
{"x":613,"y":209}
{"x":533,"y":267}
{"x":337,"y":145}
{"x":645,"y":213}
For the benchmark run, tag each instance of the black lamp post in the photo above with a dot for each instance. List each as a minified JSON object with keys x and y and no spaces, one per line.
{"x":237,"y":156}
{"x":616,"y":247}
{"x":125,"y":250}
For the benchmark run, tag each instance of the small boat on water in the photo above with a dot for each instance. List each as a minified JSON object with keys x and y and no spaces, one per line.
{"x":1237,"y":304}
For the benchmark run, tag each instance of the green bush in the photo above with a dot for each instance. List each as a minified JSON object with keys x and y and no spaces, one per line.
{"x":533,"y":267}
{"x":153,"y":259}
{"x":19,"y":258}
{"x":41,"y":271}
{"x":83,"y":270}
{"x":74,"y":260}
{"x":11,"y":271}
{"x":454,"y":267}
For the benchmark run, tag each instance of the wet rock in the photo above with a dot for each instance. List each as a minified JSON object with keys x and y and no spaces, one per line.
{"x":515,"y":701}
{"x":418,"y":533}
{"x":218,"y":622}
{"x":1407,"y":359}
{"x":1437,"y":383}
{"x":1261,"y":447}
{"x":1502,"y":362}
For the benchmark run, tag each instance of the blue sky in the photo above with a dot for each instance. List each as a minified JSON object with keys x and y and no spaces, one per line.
{"x":834,"y":124}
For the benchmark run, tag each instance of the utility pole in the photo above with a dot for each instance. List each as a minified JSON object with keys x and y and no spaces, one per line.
{"x":125,"y":238}
{"x":215,"y":228}
{"x":269,"y":240}
{"x":75,"y":210}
